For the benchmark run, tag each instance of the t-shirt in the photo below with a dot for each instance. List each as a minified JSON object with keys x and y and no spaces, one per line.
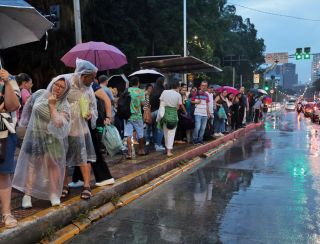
{"x":171,"y":98}
{"x":95,"y":86}
{"x":109,"y":93}
{"x":201,"y":108}
{"x":211,"y":102}
{"x":137,"y":98}
{"x":258,"y":104}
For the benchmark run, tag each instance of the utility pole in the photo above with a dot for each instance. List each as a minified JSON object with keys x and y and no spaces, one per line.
{"x":185,"y":35}
{"x":77,"y":20}
{"x":232,"y":61}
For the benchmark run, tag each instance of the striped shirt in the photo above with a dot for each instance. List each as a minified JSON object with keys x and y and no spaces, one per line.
{"x":201,"y":108}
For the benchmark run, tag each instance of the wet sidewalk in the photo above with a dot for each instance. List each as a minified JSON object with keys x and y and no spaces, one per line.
{"x":129,"y":175}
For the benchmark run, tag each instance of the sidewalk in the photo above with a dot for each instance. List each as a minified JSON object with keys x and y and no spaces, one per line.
{"x":129,"y":174}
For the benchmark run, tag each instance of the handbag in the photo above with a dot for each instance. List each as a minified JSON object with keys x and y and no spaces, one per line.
{"x":222,"y":113}
{"x":147,"y":118}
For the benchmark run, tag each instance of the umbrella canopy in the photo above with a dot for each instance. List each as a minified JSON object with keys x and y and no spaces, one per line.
{"x":20,"y":23}
{"x":147,"y":75}
{"x":267,"y":100}
{"x":118,"y":81}
{"x":229,"y":89}
{"x":215,"y":87}
{"x":261,"y":91}
{"x":102,"y":55}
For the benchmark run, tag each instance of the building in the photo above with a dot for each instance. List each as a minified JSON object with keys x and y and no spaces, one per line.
{"x":315,"y":68}
{"x":290,"y":78}
{"x":284,"y":74}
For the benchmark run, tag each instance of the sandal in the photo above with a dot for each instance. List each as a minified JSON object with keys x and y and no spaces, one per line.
{"x":65,"y":191}
{"x":86,"y":193}
{"x":9,"y":221}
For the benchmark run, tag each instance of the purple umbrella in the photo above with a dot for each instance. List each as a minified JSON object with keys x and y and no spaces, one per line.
{"x":102,"y":55}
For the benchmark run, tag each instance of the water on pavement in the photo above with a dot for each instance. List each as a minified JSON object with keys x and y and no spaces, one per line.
{"x":263,"y":189}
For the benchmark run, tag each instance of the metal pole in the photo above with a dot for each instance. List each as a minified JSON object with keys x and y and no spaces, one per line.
{"x":240,"y":80}
{"x":77,"y":20}
{"x":185,"y":34}
{"x":233,"y":75}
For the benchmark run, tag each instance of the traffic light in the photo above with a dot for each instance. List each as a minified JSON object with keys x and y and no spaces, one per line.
{"x":298,"y":53}
{"x":266,"y":86}
{"x":306,"y":53}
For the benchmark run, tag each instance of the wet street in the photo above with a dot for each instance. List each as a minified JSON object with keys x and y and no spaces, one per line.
{"x":263,"y":189}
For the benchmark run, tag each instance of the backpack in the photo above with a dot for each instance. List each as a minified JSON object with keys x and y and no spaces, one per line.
{"x":123,"y":110}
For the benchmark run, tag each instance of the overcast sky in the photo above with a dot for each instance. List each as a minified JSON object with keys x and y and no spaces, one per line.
{"x":283,"y":34}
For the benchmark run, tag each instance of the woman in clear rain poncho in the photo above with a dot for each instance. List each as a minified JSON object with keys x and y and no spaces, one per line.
{"x":83,"y":109}
{"x":41,"y":163}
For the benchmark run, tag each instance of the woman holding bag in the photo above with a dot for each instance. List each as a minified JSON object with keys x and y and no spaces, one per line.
{"x":42,"y":160}
{"x":220,"y":114}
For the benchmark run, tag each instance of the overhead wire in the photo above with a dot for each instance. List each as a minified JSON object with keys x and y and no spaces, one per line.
{"x":275,"y":14}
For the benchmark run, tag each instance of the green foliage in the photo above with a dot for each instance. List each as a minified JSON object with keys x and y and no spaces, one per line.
{"x":142,"y":28}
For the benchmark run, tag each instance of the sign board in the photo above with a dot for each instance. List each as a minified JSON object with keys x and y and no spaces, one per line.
{"x":256,"y":78}
{"x":271,"y":58}
{"x":271,"y":91}
{"x":190,"y":77}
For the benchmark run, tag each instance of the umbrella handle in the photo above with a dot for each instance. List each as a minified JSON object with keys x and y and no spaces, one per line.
{"x":0,"y":64}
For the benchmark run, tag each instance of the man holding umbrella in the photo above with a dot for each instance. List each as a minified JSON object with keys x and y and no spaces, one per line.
{"x":243,"y":107}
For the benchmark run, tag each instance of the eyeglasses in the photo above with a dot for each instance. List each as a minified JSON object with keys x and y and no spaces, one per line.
{"x":60,"y":86}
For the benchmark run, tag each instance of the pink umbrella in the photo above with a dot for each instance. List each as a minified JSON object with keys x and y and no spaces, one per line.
{"x":102,"y":55}
{"x":229,"y":89}
{"x":267,"y":100}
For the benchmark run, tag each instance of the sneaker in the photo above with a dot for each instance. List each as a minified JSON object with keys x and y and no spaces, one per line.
{"x":216,"y":134}
{"x":159,"y":148}
{"x":106,"y":182}
{"x":55,"y":201}
{"x":220,"y":134}
{"x":26,"y":202}
{"x":79,"y":183}
{"x":147,"y":143}
{"x":9,"y":221}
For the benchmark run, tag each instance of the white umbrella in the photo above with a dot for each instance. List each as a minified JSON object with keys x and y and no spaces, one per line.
{"x":146,"y":71}
{"x":20,"y":23}
{"x":147,"y":75}
{"x":262,"y":91}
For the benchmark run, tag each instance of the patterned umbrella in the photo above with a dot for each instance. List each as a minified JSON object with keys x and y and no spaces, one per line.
{"x":229,"y":89}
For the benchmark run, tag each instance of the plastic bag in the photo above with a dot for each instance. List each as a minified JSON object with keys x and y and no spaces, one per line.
{"x":84,"y":106}
{"x":111,"y":140}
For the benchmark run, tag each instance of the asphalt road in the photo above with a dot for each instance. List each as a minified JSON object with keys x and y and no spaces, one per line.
{"x":263,"y":189}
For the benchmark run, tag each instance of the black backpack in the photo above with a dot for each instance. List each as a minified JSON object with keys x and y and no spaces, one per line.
{"x":101,"y":112}
{"x":123,"y":110}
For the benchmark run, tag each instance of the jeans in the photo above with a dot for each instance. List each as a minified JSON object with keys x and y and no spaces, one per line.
{"x":219,"y":124}
{"x":156,"y":133}
{"x":200,"y":127}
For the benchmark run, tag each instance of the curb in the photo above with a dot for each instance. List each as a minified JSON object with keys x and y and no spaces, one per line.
{"x":46,"y":222}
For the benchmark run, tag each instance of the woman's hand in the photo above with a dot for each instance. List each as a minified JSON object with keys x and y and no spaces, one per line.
{"x":107,"y":121}
{"x":52,"y":100}
{"x":89,"y":116}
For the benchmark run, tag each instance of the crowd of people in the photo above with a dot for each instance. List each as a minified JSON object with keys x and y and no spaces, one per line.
{"x":62,"y":127}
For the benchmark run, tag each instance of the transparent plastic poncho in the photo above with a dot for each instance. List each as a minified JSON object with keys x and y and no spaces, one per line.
{"x":81,"y":97}
{"x":41,"y":163}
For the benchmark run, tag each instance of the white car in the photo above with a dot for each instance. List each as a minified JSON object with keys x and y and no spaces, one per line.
{"x":290,"y":105}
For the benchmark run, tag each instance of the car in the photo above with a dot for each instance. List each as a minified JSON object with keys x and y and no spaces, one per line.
{"x":315,"y":114}
{"x":290,"y":105}
{"x":307,"y":109}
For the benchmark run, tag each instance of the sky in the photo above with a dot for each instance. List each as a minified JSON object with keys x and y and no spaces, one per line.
{"x":283,"y":34}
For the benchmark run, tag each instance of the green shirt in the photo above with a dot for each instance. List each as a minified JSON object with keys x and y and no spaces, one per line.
{"x":137,"y":97}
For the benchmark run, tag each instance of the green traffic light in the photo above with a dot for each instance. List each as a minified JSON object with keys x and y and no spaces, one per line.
{"x":266,"y":88}
{"x":306,"y":56}
{"x":298,"y":56}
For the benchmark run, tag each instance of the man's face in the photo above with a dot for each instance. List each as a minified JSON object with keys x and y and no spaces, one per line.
{"x":242,"y":89}
{"x":87,"y":79}
{"x":203,"y":86}
{"x":210,"y":89}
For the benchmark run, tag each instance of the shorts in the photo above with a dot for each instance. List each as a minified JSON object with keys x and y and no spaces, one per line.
{"x":136,"y":125}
